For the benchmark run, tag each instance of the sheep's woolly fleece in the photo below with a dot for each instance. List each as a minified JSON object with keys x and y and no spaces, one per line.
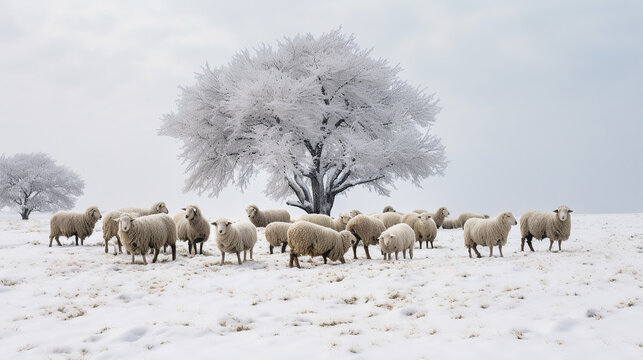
{"x":70,"y":224}
{"x":74,"y":302}
{"x":261,"y":218}
{"x":305,"y":238}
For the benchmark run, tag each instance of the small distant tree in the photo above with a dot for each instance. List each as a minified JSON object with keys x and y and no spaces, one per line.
{"x":33,"y":182}
{"x":319,"y":115}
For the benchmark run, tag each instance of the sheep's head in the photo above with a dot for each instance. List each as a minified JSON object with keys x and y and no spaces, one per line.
{"x":509,"y":218}
{"x":251,"y":210}
{"x":443,"y":210}
{"x":424,"y":216}
{"x":348,"y":239}
{"x":388,"y":208}
{"x":563,"y":212}
{"x":345,"y":219}
{"x":124,"y":222}
{"x":222,"y":225}
{"x":93,"y":212}
{"x":354,"y":213}
{"x":160,"y":208}
{"x":191,"y":212}
{"x":486,"y":216}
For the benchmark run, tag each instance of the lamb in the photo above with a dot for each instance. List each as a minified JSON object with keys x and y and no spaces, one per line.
{"x":366,"y":229}
{"x":389,"y":218}
{"x":261,"y":218}
{"x":191,"y":226}
{"x":110,"y":228}
{"x":467,"y":215}
{"x":451,"y":224}
{"x":235,"y":238}
{"x":277,"y":235}
{"x":139,"y":234}
{"x":388,"y":208}
{"x":439,"y":216}
{"x":554,"y":225}
{"x":337,"y":224}
{"x":397,"y":238}
{"x":68,"y":224}
{"x":488,"y":232}
{"x":423,"y":226}
{"x":306,"y":238}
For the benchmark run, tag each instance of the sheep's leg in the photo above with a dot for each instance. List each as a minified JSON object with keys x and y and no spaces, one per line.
{"x":470,"y":252}
{"x":420,"y":244}
{"x":530,"y":246}
{"x":522,"y":244}
{"x":368,"y":254}
{"x":427,"y":245}
{"x":244,"y":255}
{"x":164,"y":248}
{"x":76,"y":236}
{"x":190,"y":248}
{"x":222,"y":257}
{"x":82,"y":241}
{"x":411,"y":252}
{"x":106,"y":246}
{"x":51,"y":240}
{"x":283,"y":247}
{"x":58,"y":241}
{"x":133,"y":262}
{"x":342,"y":260}
{"x":395,"y":255}
{"x":559,"y":243}
{"x":144,"y":260}
{"x":551,"y":243}
{"x":271,"y":247}
{"x":325,"y":259}
{"x":120,"y":244}
{"x":491,"y":251}
{"x":475,"y":248}
{"x":291,"y":260}
{"x":239,"y":257}
{"x":404,"y":253}
{"x":355,"y":251}
{"x":156,"y":254}
{"x":500,"y":249}
{"x":251,"y":253}
{"x":297,"y":261}
{"x":200,"y":248}
{"x":173,"y":251}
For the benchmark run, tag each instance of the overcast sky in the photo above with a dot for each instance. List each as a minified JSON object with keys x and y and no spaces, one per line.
{"x":542,"y":100}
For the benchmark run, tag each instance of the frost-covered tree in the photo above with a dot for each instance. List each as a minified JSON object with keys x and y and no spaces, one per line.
{"x":33,"y":182}
{"x":318,"y":115}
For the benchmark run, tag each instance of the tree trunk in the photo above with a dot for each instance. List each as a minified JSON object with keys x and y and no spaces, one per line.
{"x":25,"y":214}
{"x":322,"y":201}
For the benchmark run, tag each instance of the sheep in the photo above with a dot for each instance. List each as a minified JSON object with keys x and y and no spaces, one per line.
{"x":67,"y":224}
{"x":337,"y":224}
{"x":397,"y":238}
{"x":191,"y":226}
{"x":110,"y":228}
{"x":389,"y":219}
{"x":277,"y":235}
{"x":366,"y":229}
{"x":235,"y":238}
{"x":439,"y":216}
{"x":423,"y":226}
{"x":420,"y":211}
{"x":261,"y":218}
{"x":139,"y":234}
{"x":488,"y":232}
{"x":306,"y":238}
{"x":388,"y":208}
{"x":467,"y":215}
{"x":554,"y":225}
{"x":354,"y":213}
{"x":451,"y":224}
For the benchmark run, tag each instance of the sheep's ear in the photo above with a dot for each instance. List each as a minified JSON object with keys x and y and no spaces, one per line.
{"x":214,"y":223}
{"x":556,"y":211}
{"x":117,"y":219}
{"x":183,"y":209}
{"x":194,"y":210}
{"x":228,"y":223}
{"x":570,"y":210}
{"x":392,"y":235}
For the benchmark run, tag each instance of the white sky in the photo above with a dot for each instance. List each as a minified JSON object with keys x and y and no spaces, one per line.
{"x":542,"y":101}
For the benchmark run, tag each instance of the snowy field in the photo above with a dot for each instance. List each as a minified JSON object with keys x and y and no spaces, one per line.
{"x":78,"y":302}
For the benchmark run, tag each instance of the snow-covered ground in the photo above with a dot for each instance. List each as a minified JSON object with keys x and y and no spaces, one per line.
{"x":78,"y":302}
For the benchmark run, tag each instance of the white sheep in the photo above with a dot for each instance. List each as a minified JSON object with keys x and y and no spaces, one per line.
{"x":389,"y":218}
{"x":68,"y":224}
{"x":451,"y":224}
{"x":554,"y":225}
{"x":462,"y":219}
{"x":439,"y":216}
{"x":261,"y":218}
{"x":366,"y":229}
{"x":423,"y":226}
{"x":488,"y":232}
{"x":277,"y":235}
{"x":192,"y":226}
{"x":139,"y":234}
{"x":354,"y":213}
{"x":388,"y":208}
{"x":110,"y":228}
{"x":233,"y":238}
{"x":306,"y":238}
{"x":397,"y":238}
{"x":337,"y":224}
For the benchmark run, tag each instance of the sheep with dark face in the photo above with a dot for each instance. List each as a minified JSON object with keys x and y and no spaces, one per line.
{"x":192,"y":226}
{"x":233,"y":238}
{"x":70,"y":224}
{"x":261,"y":218}
{"x":554,"y":225}
{"x":488,"y":232}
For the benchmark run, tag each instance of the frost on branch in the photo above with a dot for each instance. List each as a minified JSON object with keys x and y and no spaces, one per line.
{"x":319,"y":115}
{"x":33,"y":182}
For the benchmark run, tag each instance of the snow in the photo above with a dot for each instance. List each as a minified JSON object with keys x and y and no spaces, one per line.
{"x":74,"y":302}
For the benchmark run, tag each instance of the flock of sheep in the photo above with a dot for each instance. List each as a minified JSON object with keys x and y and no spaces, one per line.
{"x":144,"y":231}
